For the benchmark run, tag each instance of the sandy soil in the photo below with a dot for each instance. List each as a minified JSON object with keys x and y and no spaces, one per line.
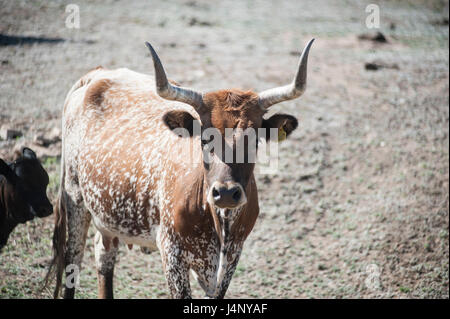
{"x":361,"y":194}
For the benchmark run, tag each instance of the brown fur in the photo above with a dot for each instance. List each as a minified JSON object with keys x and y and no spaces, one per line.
{"x":233,"y":109}
{"x":95,"y":93}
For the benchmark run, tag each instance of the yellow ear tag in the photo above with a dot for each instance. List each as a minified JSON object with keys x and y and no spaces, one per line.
{"x":281,"y":134}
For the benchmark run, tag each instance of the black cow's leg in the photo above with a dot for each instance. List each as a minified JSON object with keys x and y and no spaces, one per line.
{"x":5,"y":230}
{"x":78,"y":220}
{"x":105,"y":259}
{"x":176,"y":270}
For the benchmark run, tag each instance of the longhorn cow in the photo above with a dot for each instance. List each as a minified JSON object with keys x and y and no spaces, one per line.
{"x":123,"y":168}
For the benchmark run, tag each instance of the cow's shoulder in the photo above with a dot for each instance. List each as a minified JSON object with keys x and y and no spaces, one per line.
{"x":190,"y":218}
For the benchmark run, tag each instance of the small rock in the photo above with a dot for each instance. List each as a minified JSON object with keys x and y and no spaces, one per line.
{"x":146,"y":250}
{"x":41,"y":140}
{"x":377,"y":37}
{"x":373,"y":66}
{"x":171,"y":45}
{"x":194,"y":21}
{"x":309,"y":190}
{"x":267,"y":179}
{"x":191,"y":4}
{"x":55,"y":133}
{"x":51,"y":138}
{"x":304,"y":177}
{"x":440,"y":22}
{"x":43,"y":262}
{"x":7,"y":133}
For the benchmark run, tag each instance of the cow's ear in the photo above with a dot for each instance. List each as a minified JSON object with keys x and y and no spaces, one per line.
{"x":6,"y":171}
{"x":28,"y":153}
{"x":284,"y":123}
{"x":180,"y":122}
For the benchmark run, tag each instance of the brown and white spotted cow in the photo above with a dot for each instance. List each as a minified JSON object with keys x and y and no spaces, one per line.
{"x":124,"y":169}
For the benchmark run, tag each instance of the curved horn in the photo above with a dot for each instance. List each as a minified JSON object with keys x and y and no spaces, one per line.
{"x":291,"y":91}
{"x":173,"y":92}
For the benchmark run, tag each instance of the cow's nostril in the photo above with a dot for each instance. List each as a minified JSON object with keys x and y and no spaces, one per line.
{"x":237,"y":195}
{"x":216,"y":194}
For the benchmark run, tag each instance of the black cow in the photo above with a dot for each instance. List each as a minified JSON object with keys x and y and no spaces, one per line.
{"x":23,"y":185}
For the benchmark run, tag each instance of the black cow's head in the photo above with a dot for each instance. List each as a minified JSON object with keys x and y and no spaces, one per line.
{"x":23,"y":185}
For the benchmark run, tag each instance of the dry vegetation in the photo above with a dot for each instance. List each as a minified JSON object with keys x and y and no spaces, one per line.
{"x":363,"y":181}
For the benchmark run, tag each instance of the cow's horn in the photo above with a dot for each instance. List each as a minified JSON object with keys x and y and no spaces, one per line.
{"x":173,"y":92}
{"x":291,"y":91}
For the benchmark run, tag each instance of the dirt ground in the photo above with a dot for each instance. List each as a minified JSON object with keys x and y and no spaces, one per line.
{"x":359,"y":207}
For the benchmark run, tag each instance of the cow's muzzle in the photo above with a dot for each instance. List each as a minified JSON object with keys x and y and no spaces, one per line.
{"x":42,"y":211}
{"x":227,"y":195}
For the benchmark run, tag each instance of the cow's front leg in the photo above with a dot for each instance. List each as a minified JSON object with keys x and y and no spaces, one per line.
{"x":233,"y":255}
{"x":176,"y":270}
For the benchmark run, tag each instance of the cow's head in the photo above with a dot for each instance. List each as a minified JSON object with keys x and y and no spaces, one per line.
{"x":227,"y":177}
{"x":24,"y":193}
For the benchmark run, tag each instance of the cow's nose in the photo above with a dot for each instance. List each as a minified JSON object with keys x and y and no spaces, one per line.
{"x":46,"y":210}
{"x":227,"y":196}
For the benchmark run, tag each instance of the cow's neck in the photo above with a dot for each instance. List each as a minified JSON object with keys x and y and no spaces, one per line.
{"x":225,"y":222}
{"x":224,"y":225}
{"x":227,"y":225}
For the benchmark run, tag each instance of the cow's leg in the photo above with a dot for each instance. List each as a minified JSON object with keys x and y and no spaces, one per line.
{"x":176,"y":269}
{"x":229,"y":274}
{"x":78,"y":220}
{"x":105,"y":259}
